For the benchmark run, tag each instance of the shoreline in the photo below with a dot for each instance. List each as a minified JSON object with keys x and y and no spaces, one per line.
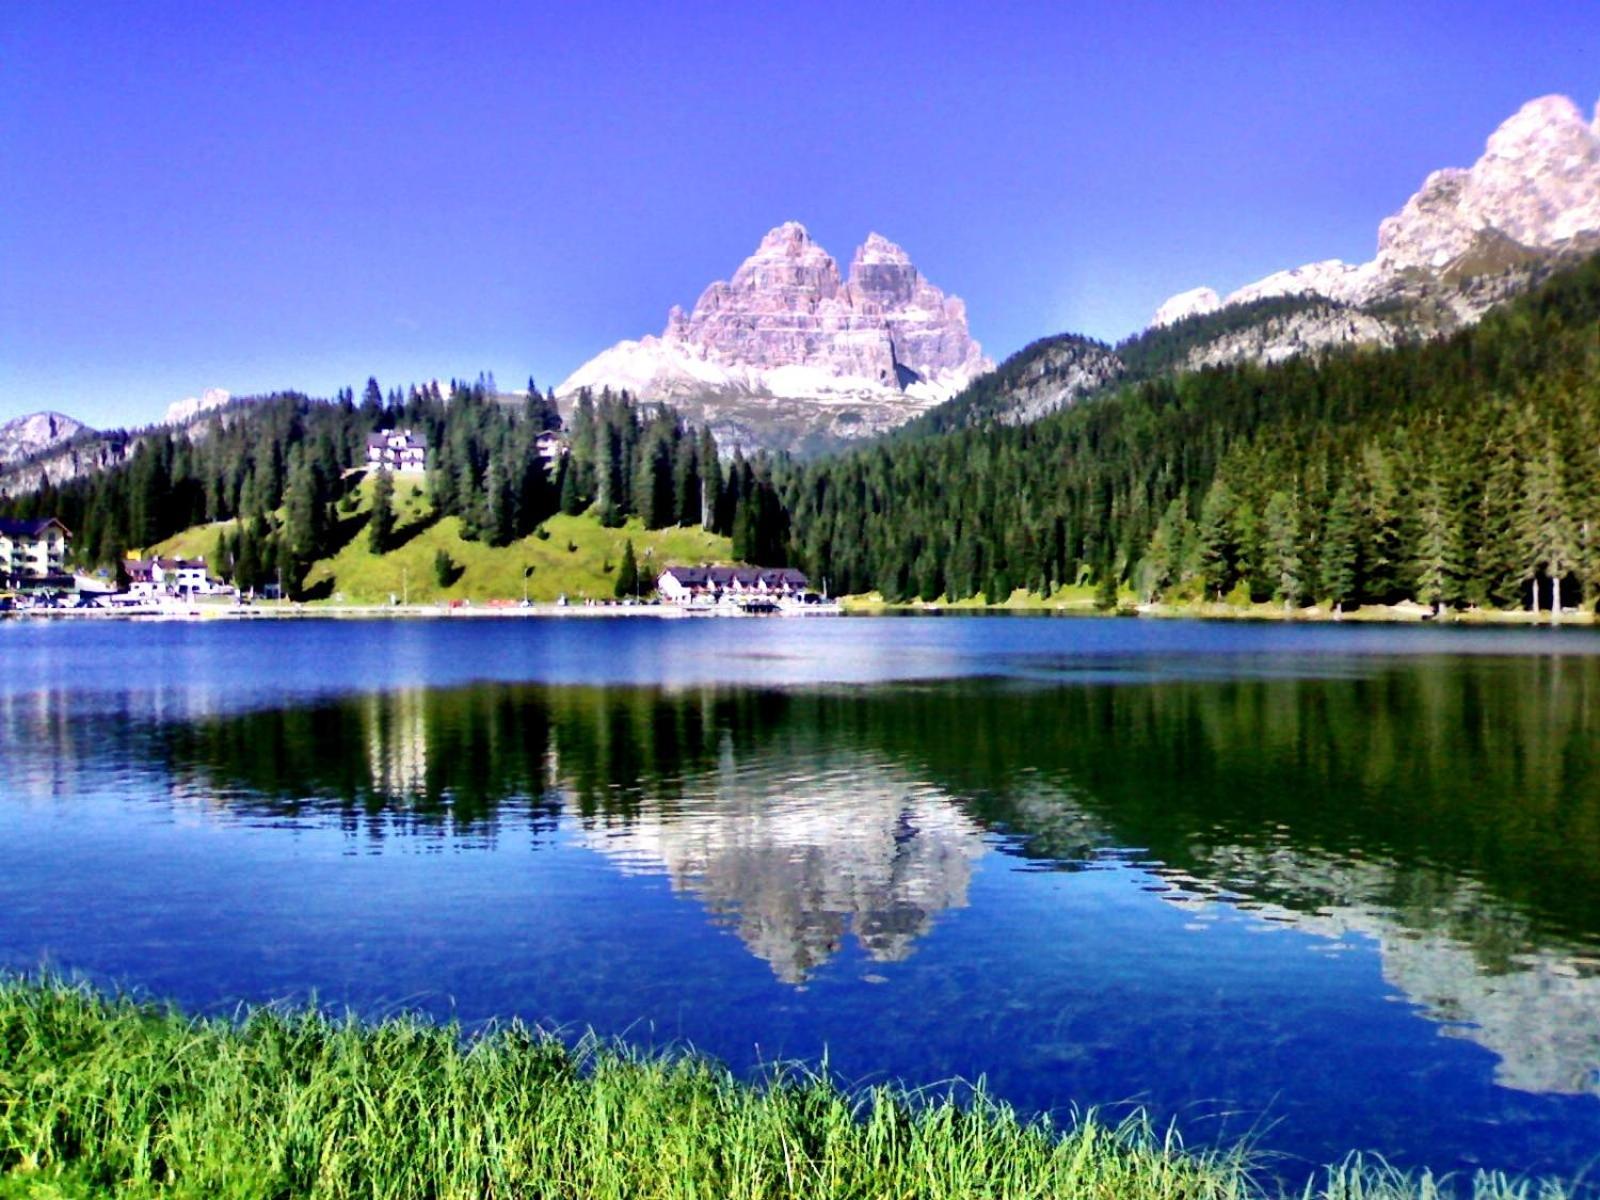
{"x":850,"y":606}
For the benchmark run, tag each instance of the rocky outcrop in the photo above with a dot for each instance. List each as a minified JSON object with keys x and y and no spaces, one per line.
{"x":1281,"y":337}
{"x":1060,"y":374}
{"x":180,"y":411}
{"x":48,"y":448}
{"x":1467,"y":240}
{"x":1537,"y":186}
{"x":24,"y":437}
{"x":788,"y":349}
{"x":85,"y":454}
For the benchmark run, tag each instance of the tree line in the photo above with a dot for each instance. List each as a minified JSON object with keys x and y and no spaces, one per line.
{"x":282,"y":471}
{"x":1463,"y":470}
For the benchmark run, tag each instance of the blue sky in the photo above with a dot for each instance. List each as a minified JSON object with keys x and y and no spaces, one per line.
{"x":273,"y":195}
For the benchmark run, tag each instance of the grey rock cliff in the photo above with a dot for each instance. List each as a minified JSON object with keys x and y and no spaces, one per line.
{"x":1467,"y":240}
{"x":790,"y":349}
{"x":24,"y":437}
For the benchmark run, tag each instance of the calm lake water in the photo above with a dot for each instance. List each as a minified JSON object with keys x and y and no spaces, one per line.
{"x":1328,"y":887}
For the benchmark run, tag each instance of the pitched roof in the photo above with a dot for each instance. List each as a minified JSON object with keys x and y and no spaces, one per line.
{"x":30,"y":528}
{"x":407,"y":439}
{"x":745,"y":576}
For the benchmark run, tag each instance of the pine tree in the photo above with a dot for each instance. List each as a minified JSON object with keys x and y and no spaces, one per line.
{"x":1383,"y":538}
{"x":627,"y":583}
{"x":1438,"y":564}
{"x":1340,"y":549}
{"x":1282,"y":521}
{"x":1218,"y":547}
{"x":1164,"y":559}
{"x":1105,"y":592}
{"x":710,"y":482}
{"x":380,"y":527}
{"x":686,"y":483}
{"x":572,"y":498}
{"x":305,"y":517}
{"x":1548,"y":538}
{"x":499,"y":504}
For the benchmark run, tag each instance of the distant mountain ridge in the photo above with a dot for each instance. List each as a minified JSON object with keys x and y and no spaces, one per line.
{"x":50,"y":448}
{"x":1467,"y":240}
{"x":791,"y":354}
{"x":24,"y":437}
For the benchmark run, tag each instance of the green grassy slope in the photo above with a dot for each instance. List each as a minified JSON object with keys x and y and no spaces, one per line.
{"x":578,"y":559}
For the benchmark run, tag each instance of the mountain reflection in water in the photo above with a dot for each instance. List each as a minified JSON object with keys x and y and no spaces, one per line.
{"x":1449,"y":812}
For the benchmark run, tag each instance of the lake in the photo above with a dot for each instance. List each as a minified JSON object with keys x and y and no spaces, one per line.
{"x":1323,"y":887}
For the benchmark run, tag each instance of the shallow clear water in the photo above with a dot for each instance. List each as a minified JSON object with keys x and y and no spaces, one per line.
{"x":1331,"y":888}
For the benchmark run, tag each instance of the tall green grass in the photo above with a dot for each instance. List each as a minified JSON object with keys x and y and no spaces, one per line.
{"x":112,"y":1097}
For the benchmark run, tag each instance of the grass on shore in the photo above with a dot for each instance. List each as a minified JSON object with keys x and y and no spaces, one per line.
{"x":578,"y":558}
{"x":110,"y":1097}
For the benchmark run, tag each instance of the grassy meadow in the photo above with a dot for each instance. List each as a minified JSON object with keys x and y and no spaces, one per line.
{"x":109,"y":1097}
{"x":577,"y":558}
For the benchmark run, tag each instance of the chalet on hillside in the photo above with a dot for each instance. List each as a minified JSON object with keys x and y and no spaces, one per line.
{"x":683,"y":585}
{"x":551,"y":447}
{"x":33,"y":553}
{"x":398,"y":450}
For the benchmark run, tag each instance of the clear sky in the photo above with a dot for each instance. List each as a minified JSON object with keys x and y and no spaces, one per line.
{"x":273,"y":195}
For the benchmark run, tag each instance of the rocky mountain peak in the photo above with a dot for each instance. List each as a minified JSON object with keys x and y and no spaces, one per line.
{"x":1193,"y":303}
{"x":1537,"y":183}
{"x":788,"y":238}
{"x":23,"y":437}
{"x":788,"y":326}
{"x":191,"y":407}
{"x":878,"y":249}
{"x":1534,"y":190}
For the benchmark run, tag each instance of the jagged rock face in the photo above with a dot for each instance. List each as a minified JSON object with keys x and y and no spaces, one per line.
{"x":844,"y":357}
{"x":187,"y":409}
{"x":1059,"y":377}
{"x":1537,"y":184}
{"x":1279,"y":338}
{"x":26,"y":436}
{"x":64,"y":461}
{"x":1533,"y":196}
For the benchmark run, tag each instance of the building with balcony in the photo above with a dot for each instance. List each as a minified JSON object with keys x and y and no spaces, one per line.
{"x":398,"y":450}
{"x":33,"y":553}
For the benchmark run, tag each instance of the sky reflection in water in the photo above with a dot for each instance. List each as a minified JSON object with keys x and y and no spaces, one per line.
{"x":1333,"y":886}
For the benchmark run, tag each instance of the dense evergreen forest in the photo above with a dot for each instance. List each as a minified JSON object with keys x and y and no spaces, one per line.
{"x":283,"y":469}
{"x":1457,"y":471}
